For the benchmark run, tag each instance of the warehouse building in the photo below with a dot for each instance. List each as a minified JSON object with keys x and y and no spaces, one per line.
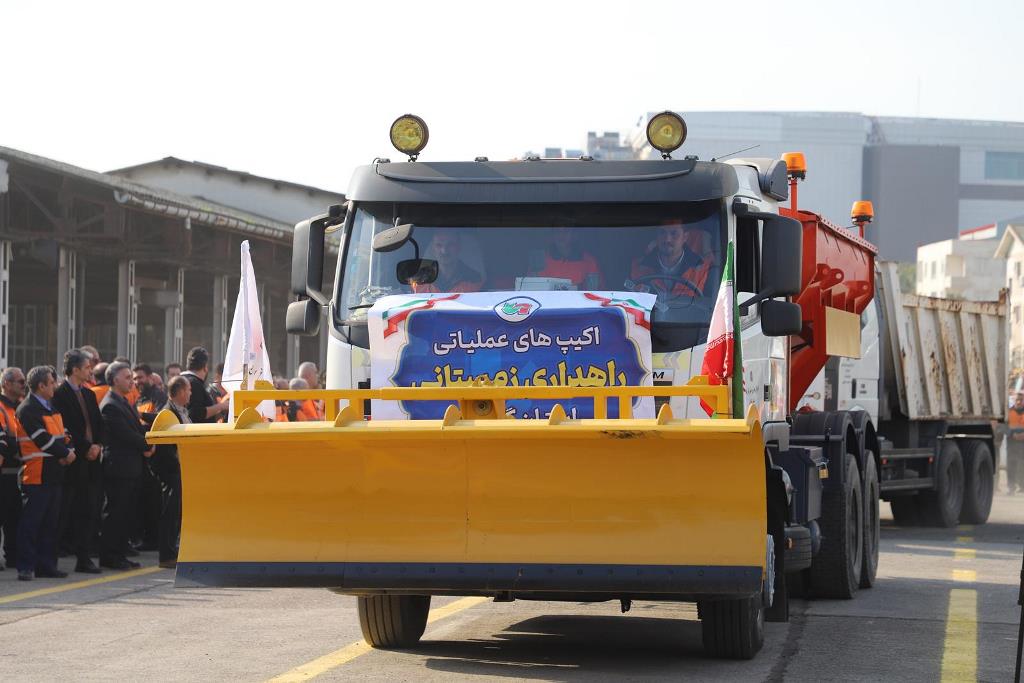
{"x":137,"y":269}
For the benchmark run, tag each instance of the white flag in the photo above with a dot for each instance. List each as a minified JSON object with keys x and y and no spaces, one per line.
{"x":247,"y":349}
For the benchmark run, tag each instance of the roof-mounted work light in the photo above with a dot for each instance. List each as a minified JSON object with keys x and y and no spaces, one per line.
{"x":409,"y":135}
{"x":666,"y":132}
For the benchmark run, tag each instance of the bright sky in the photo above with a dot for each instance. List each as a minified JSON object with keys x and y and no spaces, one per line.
{"x":305,"y":91}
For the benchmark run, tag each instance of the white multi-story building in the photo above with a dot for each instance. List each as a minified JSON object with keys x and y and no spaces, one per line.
{"x":928,"y":178}
{"x":960,"y":269}
{"x":1011,"y":249}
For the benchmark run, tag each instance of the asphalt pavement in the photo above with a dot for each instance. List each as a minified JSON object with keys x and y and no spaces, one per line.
{"x":943,"y":608}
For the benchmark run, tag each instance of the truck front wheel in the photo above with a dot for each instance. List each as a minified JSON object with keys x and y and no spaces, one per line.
{"x":393,"y":621}
{"x":836,"y":571}
{"x":979,"y":483}
{"x":732,"y":629}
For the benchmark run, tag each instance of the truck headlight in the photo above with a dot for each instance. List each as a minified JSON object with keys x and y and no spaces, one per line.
{"x":666,"y":132}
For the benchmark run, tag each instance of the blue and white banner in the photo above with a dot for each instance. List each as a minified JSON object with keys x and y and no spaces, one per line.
{"x":573,"y":339}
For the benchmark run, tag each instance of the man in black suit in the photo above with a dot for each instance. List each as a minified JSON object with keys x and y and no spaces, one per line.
{"x":83,"y":477}
{"x":201,"y":408}
{"x":124,"y":449}
{"x":167,"y":469}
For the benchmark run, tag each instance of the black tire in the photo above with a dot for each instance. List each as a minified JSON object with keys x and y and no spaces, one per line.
{"x":872,"y":527}
{"x":942,"y":506}
{"x":835,"y":572}
{"x":798,"y":555}
{"x":906,"y":511}
{"x":393,"y":621}
{"x":979,"y":483}
{"x":732,"y":629}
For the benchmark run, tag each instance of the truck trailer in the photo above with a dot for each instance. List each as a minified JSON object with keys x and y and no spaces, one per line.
{"x":563,"y":483}
{"x":932,"y":377}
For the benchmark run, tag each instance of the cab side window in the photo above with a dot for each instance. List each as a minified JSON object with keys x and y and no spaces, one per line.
{"x":748,"y":262}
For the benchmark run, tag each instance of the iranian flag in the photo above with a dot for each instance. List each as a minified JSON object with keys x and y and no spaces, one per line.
{"x":721,"y":357}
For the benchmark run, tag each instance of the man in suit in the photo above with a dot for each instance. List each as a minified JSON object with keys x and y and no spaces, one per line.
{"x":83,"y":478}
{"x":124,"y":451}
{"x":167,"y":469}
{"x":202,"y":407}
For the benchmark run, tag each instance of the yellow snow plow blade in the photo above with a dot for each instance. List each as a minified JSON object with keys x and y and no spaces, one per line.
{"x":475,"y":503}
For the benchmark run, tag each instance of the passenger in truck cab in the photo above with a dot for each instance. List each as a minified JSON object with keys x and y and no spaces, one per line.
{"x":453,"y":274}
{"x":672,"y":267}
{"x":566,"y":258}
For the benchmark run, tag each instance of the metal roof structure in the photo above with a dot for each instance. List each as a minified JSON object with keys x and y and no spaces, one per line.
{"x":160,"y":201}
{"x":213,"y":168}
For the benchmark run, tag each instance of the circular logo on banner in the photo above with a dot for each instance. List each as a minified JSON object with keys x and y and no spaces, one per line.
{"x":517,"y":309}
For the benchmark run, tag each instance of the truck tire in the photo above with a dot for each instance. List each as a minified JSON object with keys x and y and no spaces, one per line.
{"x":798,"y":548}
{"x":979,"y":483}
{"x":906,"y":511}
{"x":872,"y":527}
{"x":836,"y":570}
{"x":732,"y":629}
{"x":393,"y":621}
{"x":942,"y":506}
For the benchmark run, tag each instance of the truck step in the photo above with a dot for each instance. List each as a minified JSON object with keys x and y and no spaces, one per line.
{"x":906,"y":484}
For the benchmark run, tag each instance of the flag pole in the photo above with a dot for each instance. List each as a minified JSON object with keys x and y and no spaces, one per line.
{"x":245,"y":318}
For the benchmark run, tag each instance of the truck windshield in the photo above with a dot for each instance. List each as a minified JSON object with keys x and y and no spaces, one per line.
{"x":673,"y":250}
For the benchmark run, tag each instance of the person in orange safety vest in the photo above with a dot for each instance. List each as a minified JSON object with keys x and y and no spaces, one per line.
{"x":45,"y":452}
{"x":565,"y":258}
{"x":453,"y":275}
{"x":672,"y":267}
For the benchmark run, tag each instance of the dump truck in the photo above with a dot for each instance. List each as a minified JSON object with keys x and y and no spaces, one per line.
{"x":518,"y":404}
{"x":932,"y":376}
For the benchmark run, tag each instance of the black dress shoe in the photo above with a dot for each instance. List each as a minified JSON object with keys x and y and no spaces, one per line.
{"x":51,"y":574}
{"x":87,"y":567}
{"x":24,"y":576}
{"x":120,"y":564}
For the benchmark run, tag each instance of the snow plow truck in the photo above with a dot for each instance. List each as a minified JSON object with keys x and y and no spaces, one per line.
{"x":523,"y":403}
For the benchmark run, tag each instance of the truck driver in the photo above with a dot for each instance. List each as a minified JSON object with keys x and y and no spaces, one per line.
{"x":453,"y":275}
{"x":672,"y":267}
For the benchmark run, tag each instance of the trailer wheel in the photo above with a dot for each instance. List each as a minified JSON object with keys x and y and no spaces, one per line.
{"x":835,"y":571}
{"x":979,"y":483}
{"x":393,"y":621}
{"x":732,"y":629}
{"x":942,"y":506}
{"x":905,"y":510}
{"x":872,"y":527}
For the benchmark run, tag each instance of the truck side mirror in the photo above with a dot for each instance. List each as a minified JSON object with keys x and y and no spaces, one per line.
{"x":303,"y":317}
{"x":780,"y":318}
{"x":308,"y":258}
{"x":781,"y":255}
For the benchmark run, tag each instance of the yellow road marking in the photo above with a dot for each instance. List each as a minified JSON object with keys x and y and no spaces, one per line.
{"x":965,"y":539}
{"x":965,"y":575}
{"x":346,"y":654}
{"x":960,"y":651}
{"x":964,"y":554}
{"x":6,"y":599}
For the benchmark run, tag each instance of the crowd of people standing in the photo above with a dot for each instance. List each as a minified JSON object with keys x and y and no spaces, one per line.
{"x":77,"y":476}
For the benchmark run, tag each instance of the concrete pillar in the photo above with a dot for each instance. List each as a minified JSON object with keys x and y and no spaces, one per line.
{"x":67,"y":302}
{"x":174,"y":322}
{"x":5,"y":298}
{"x":127,"y":310}
{"x":221,"y":320}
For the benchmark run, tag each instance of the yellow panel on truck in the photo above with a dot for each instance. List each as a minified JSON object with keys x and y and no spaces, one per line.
{"x":663,"y":506}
